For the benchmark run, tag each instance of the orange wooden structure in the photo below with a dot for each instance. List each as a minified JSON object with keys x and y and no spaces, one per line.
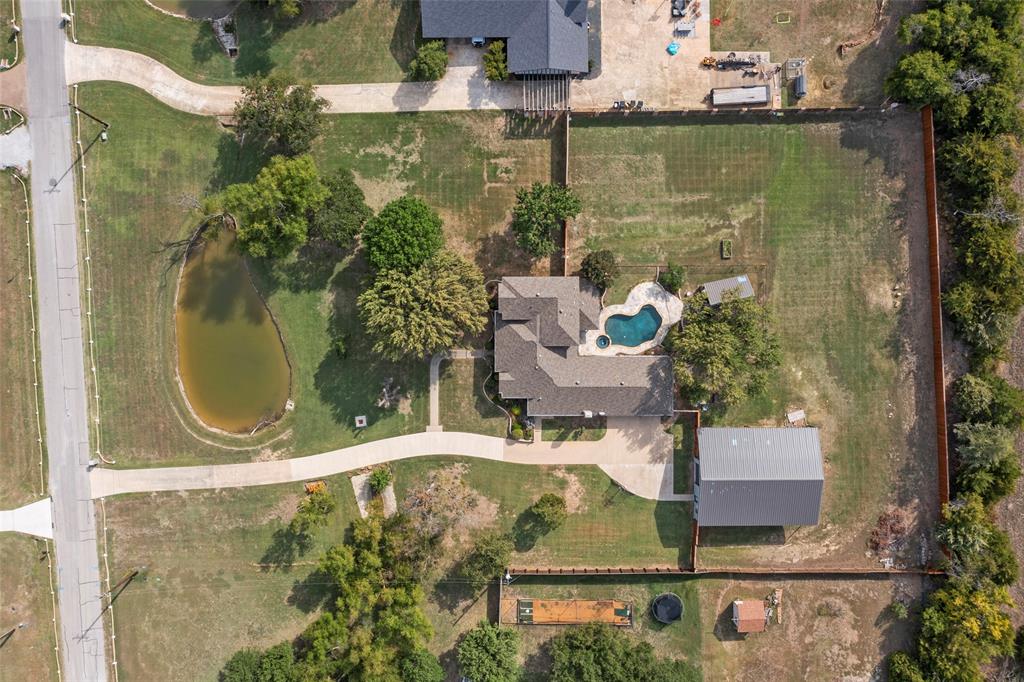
{"x":566,"y":612}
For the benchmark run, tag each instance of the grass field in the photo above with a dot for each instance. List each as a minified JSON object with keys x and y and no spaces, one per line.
{"x":444,"y":158}
{"x":820,"y":217}
{"x":813,"y":29}
{"x":679,"y":640}
{"x":10,"y":45}
{"x":214,"y":572}
{"x":463,"y":404}
{"x":25,"y":599}
{"x":365,"y":41}
{"x":20,"y":452}
{"x":573,"y":428}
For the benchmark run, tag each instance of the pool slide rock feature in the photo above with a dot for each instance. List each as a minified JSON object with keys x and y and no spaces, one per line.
{"x":668,"y":307}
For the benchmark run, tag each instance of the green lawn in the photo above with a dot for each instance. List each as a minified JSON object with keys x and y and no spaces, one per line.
{"x":10,"y":43}
{"x":463,"y":404}
{"x":215,"y":572}
{"x":25,"y":598}
{"x":814,"y":211}
{"x":573,"y":428}
{"x":20,"y":452}
{"x":350,"y":41}
{"x":140,"y":185}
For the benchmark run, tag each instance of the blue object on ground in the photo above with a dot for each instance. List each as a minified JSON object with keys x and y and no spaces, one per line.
{"x":632,"y":330}
{"x":603,"y":341}
{"x":673,"y":48}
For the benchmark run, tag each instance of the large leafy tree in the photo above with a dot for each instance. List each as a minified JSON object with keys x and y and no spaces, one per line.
{"x":343,"y":213}
{"x":418,"y":313}
{"x":487,"y":653}
{"x":977,"y":165}
{"x":279,"y":114}
{"x":421,"y":666}
{"x":962,"y":628}
{"x":271,"y":211}
{"x":404,"y":235}
{"x":726,"y":350}
{"x":598,"y":653}
{"x":490,"y":555}
{"x":924,"y":77}
{"x":538,"y":214}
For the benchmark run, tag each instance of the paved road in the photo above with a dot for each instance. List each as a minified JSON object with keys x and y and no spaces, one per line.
{"x":60,"y":340}
{"x":635,"y":452}
{"x":463,"y":87}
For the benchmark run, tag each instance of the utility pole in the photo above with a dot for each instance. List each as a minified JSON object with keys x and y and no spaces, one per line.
{"x":106,"y":126}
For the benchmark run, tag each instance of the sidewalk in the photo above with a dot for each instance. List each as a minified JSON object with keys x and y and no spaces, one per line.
{"x":463,"y":87}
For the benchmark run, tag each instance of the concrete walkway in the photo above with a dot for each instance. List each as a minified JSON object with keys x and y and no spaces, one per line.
{"x":635,"y":452}
{"x":435,"y":379}
{"x":16,"y":149}
{"x":463,"y":87}
{"x":32,"y":519}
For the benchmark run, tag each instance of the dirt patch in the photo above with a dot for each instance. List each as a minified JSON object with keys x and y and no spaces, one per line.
{"x":380,"y":191}
{"x":574,"y":492}
{"x":284,"y":510}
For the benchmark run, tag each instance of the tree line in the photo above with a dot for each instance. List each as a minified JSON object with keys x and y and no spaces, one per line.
{"x":967,"y":64}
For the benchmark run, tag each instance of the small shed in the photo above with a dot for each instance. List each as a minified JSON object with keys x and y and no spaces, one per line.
{"x":749,"y":616}
{"x":717,"y":289}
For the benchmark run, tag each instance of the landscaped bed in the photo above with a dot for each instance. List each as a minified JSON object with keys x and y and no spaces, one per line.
{"x":329,"y":42}
{"x":137,"y":240}
{"x":824,"y":217}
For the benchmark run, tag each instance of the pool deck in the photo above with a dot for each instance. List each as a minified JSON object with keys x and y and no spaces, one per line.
{"x":669,"y":307}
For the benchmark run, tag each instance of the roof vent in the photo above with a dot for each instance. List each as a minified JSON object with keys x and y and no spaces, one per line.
{"x":622,"y":383}
{"x":577,"y":382}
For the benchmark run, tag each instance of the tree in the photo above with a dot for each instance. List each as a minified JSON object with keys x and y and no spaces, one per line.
{"x":903,"y":668}
{"x":312,"y":512}
{"x":988,"y":254}
{"x":425,"y":311}
{"x":277,"y":664}
{"x":283,"y":8}
{"x":962,"y":628}
{"x":994,"y":109}
{"x":551,"y":510}
{"x":495,"y":61}
{"x":487,"y":653}
{"x":978,"y":166}
{"x":538,"y":215}
{"x":950,"y":30}
{"x":242,"y":667}
{"x":380,"y":479}
{"x":421,"y":666}
{"x":979,"y":318}
{"x":920,"y":78}
{"x":998,"y":563}
{"x":601,"y":268}
{"x":672,"y":278}
{"x":596,"y":652}
{"x":271,"y":212}
{"x":344,"y":211}
{"x":988,"y":397}
{"x":489,"y":557}
{"x":965,"y":528}
{"x":403,"y":236}
{"x":727,"y":350}
{"x":274,"y":112}
{"x":988,"y":460}
{"x":430,"y":63}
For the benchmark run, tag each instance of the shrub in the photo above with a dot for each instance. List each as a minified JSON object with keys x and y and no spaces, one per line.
{"x":403,"y":236}
{"x":672,"y":278}
{"x":421,"y":666}
{"x":430,"y":63}
{"x":988,"y":460}
{"x":551,"y":510}
{"x":903,"y":668}
{"x":380,"y":479}
{"x":596,"y":651}
{"x":517,"y":431}
{"x":313,"y":511}
{"x":979,"y":319}
{"x":600,"y":267}
{"x":538,"y":215}
{"x":977,"y":166}
{"x":998,"y":562}
{"x":488,"y":653}
{"x":340,"y":345}
{"x":898,"y":609}
{"x":490,"y":555}
{"x":495,"y":61}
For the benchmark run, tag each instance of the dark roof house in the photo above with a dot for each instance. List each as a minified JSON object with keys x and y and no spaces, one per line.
{"x":538,"y":328}
{"x":542,"y":36}
{"x":758,"y":477}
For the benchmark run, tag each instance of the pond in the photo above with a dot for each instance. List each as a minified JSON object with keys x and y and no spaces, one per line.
{"x":197,"y":9}
{"x":632,"y":330}
{"x":230,"y":357}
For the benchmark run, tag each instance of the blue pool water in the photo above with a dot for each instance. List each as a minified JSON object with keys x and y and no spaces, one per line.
{"x":632,"y":330}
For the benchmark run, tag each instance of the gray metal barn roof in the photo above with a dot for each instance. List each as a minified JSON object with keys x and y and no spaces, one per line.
{"x":759,"y":477}
{"x":541,"y":35}
{"x":715,"y":290}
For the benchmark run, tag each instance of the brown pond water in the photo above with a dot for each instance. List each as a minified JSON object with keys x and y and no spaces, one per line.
{"x":230,"y":357}
{"x":197,"y":9}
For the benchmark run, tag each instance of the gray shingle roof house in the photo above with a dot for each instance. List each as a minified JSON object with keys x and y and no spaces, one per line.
{"x":758,"y":477}
{"x":715,"y":290}
{"x":541,"y":35}
{"x":538,"y":328}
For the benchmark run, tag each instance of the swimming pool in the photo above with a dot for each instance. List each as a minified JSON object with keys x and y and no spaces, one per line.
{"x":632,"y":330}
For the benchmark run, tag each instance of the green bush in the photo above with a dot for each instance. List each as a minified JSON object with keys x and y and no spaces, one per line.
{"x":898,"y":609}
{"x":551,"y":510}
{"x":988,"y":465}
{"x":488,"y":558}
{"x":403,"y":236}
{"x":988,"y":397}
{"x":430,"y":63}
{"x":340,"y":345}
{"x":903,"y":668}
{"x":517,"y":431}
{"x":495,"y":61}
{"x":601,"y":268}
{"x":977,"y":166}
{"x":380,"y":479}
{"x":421,"y":666}
{"x":538,"y":214}
{"x":242,"y":667}
{"x":672,"y":278}
{"x":997,"y":563}
{"x":488,"y":653}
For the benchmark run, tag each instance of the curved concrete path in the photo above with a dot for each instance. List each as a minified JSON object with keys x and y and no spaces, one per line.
{"x":463,"y":87}
{"x":32,"y":519}
{"x":636,"y":453}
